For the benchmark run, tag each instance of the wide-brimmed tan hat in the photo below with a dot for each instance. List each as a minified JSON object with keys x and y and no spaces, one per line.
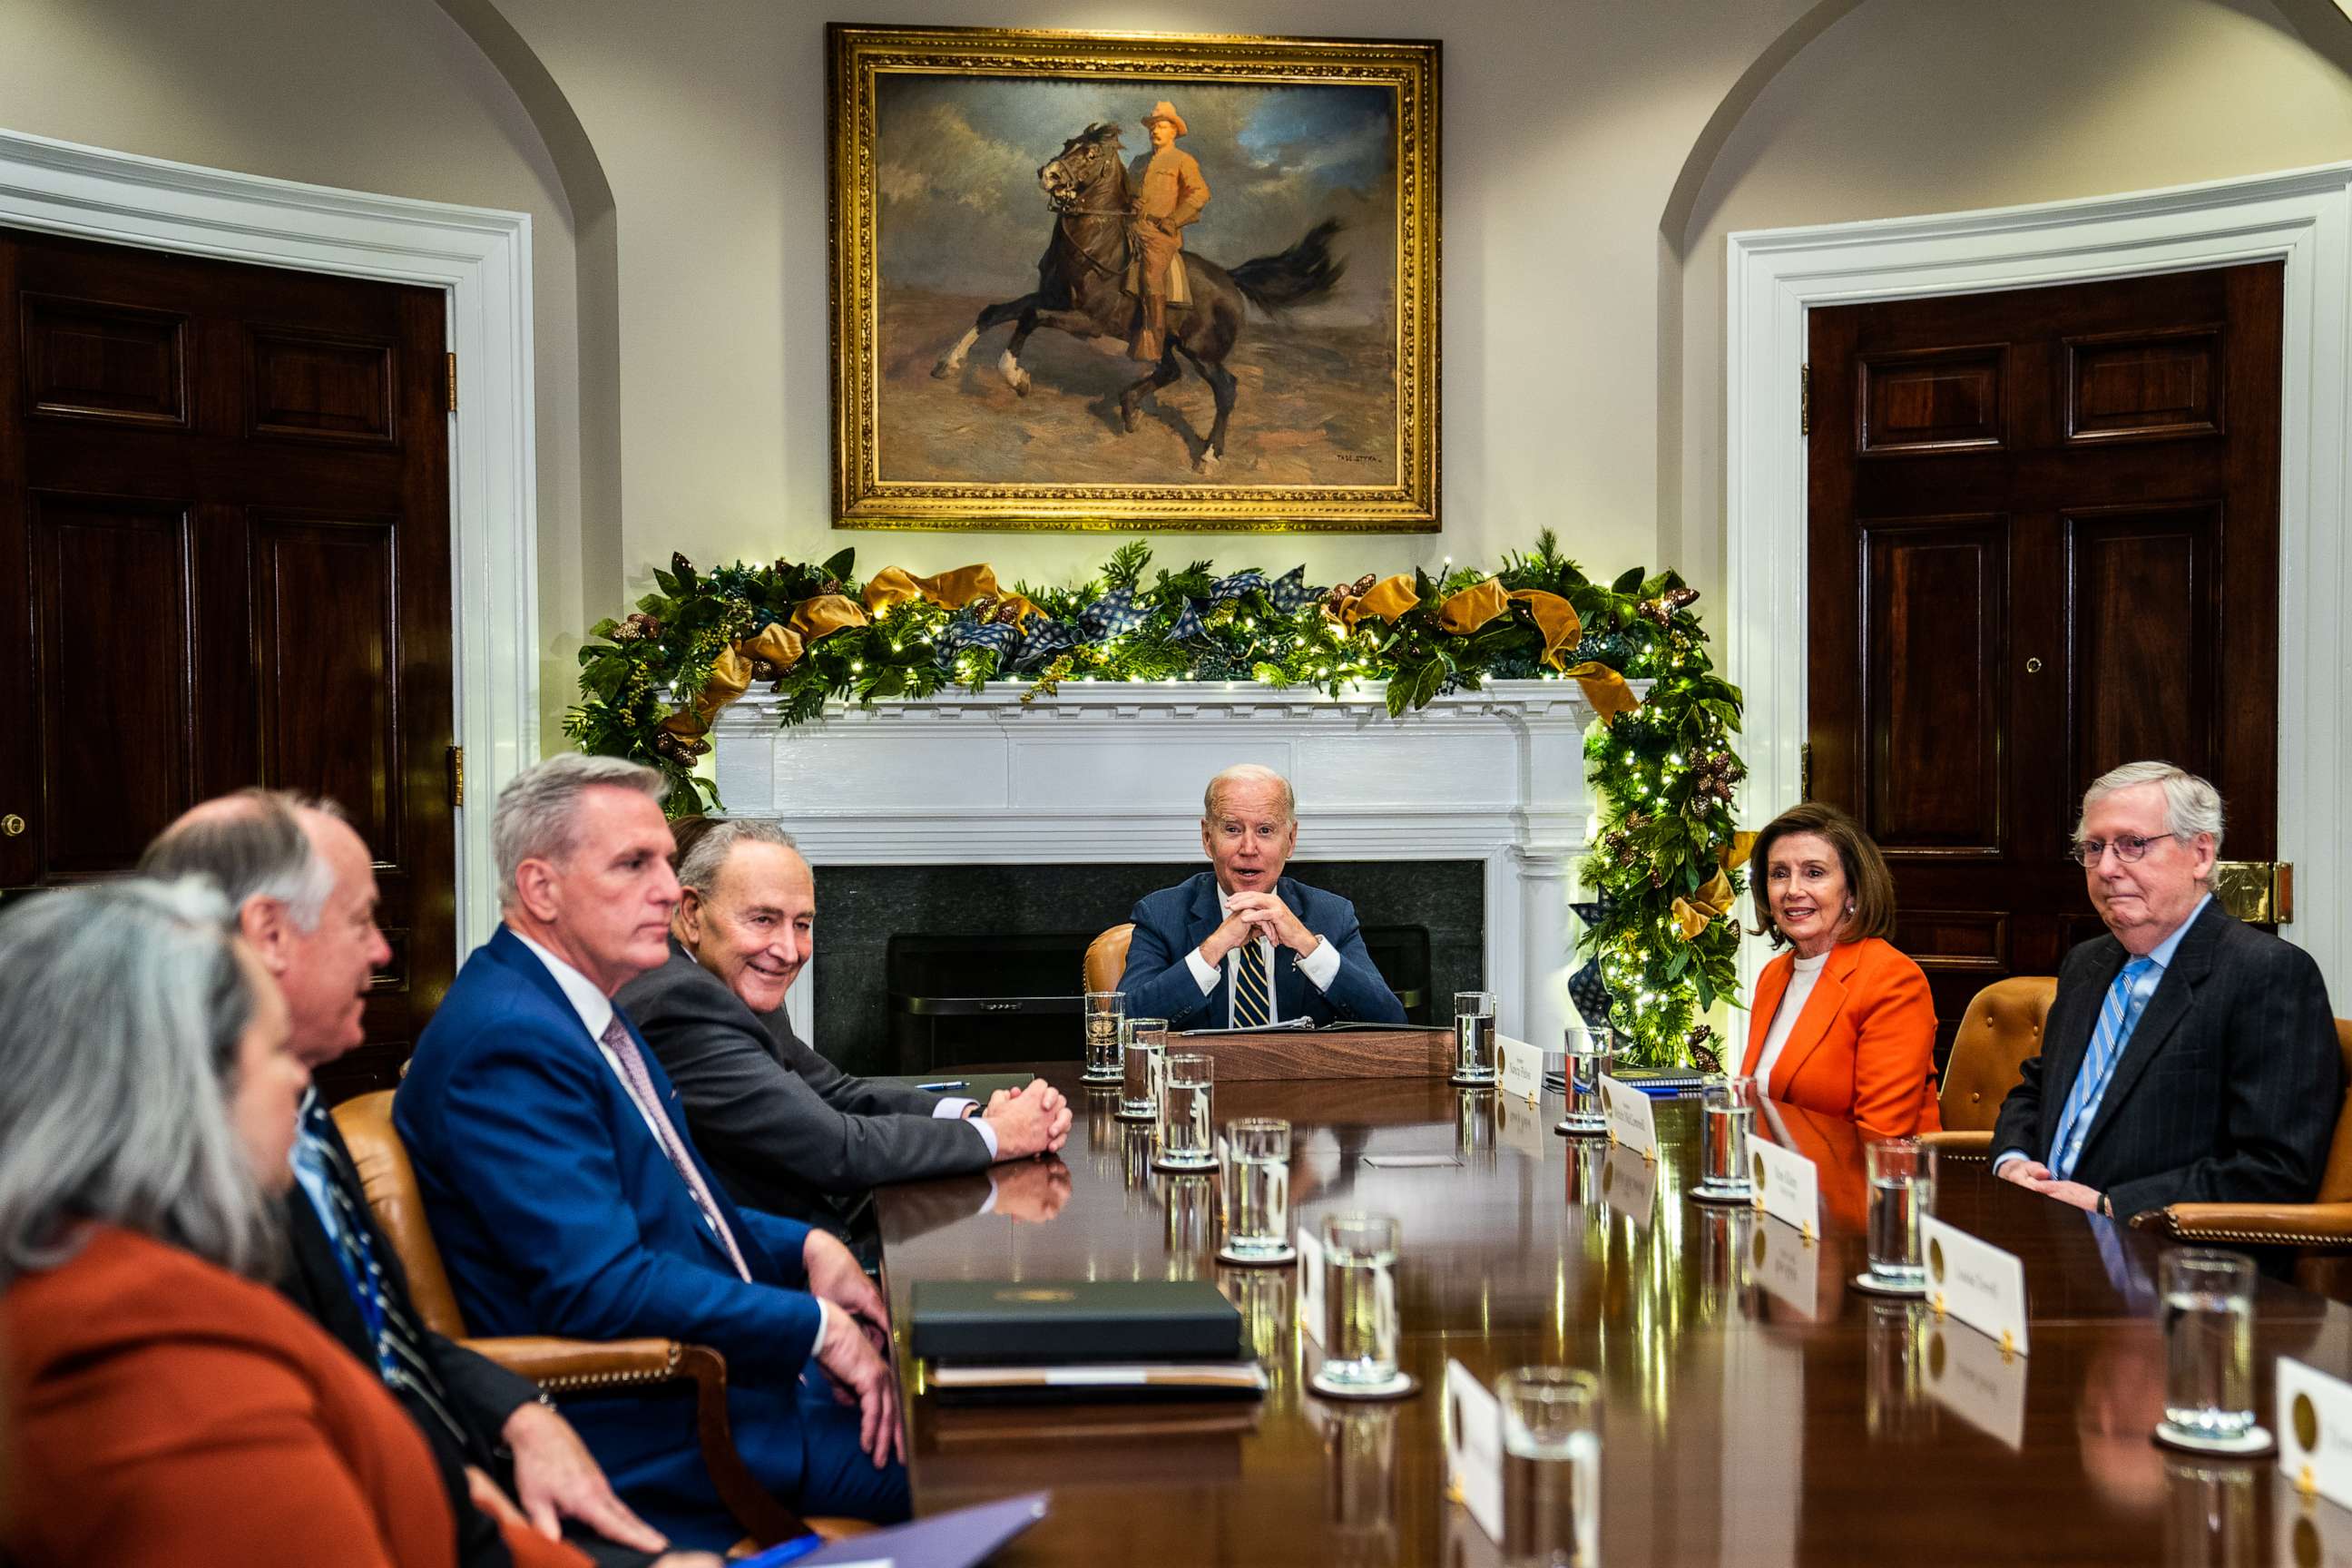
{"x":1163,"y":110}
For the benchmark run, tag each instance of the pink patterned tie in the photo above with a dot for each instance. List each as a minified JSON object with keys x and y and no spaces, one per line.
{"x":640,"y":1084}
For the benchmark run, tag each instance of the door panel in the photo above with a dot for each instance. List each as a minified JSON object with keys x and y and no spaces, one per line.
{"x":2043,"y":542}
{"x":224,"y":557}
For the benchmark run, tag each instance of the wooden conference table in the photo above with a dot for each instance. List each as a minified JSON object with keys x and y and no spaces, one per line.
{"x":1757,"y":1410}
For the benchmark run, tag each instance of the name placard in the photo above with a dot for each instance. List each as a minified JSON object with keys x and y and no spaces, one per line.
{"x":1970,"y":1377}
{"x":1474,"y":1448}
{"x":1976,"y":1282}
{"x":2315,"y":1430}
{"x":1631,"y":1122}
{"x":1522,"y":1068}
{"x":1522,"y":1128}
{"x":1311,"y":1283}
{"x":1786,"y":1186}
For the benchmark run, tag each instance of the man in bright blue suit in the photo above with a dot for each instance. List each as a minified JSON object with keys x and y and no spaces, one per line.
{"x":567,"y":1196}
{"x":1241,"y":944}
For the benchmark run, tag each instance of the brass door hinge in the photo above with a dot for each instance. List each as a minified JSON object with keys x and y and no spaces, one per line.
{"x":1804,"y":398}
{"x":456,"y":775}
{"x":453,"y":383}
{"x":2259,"y":892}
{"x":1805,"y":770}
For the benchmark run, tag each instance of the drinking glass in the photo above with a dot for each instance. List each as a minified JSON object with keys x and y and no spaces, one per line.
{"x":1140,"y":1052}
{"x":2209,"y":1347}
{"x":1474,"y":1038}
{"x":1106,"y":1012}
{"x":1727,"y":1106}
{"x":1551,"y":1466}
{"x":1590,"y":1058}
{"x":1256,"y":1174}
{"x":1186,"y":1143}
{"x":1359,"y":1253}
{"x":1902,"y":1175}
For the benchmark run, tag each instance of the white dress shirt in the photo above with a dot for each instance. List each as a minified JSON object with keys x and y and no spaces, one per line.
{"x":1321,"y":966}
{"x":1784,"y":1019}
{"x":595,"y":1011}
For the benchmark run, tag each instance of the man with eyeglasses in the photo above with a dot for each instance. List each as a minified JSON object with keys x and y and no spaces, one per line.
{"x":2188,"y":1058}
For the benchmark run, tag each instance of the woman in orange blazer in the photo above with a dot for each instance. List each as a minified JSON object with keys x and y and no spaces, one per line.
{"x":1843,"y":1024}
{"x":168,"y":1407}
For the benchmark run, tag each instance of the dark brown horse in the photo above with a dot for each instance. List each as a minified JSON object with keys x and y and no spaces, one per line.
{"x":1082,"y":287}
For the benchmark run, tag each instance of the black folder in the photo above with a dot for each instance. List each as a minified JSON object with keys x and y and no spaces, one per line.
{"x":1054,"y":1321}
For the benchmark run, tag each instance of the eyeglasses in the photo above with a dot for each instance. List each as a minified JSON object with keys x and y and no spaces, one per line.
{"x":2129,"y":849}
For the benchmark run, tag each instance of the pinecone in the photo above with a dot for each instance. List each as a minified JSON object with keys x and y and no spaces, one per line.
{"x":1682,"y":598}
{"x":1655,"y":611}
{"x":830,"y":585}
{"x":1704,"y":1056}
{"x":766,"y":670}
{"x":1364,"y":584}
{"x":983,"y":608}
{"x":1008,"y":613}
{"x":637,"y":625}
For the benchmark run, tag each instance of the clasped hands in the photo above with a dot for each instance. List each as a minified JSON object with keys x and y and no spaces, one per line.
{"x":1031,"y":1120}
{"x":2036,"y":1175}
{"x":1252,"y":913}
{"x":855,"y":1349}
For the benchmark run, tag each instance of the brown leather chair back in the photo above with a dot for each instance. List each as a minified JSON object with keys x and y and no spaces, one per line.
{"x":365,"y":1124}
{"x":2336,"y":1180}
{"x":1106,"y":958}
{"x":2001,"y":1030}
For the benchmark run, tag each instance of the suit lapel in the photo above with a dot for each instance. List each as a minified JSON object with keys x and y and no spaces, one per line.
{"x":1770,"y":986}
{"x":1206,"y":916}
{"x":2066,"y":1038}
{"x":1822,"y":1008}
{"x":2175,"y":999}
{"x":1289,"y":988}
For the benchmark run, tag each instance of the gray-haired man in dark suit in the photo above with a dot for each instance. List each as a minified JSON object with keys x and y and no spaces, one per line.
{"x":786,"y":1130}
{"x":2187,"y":1058}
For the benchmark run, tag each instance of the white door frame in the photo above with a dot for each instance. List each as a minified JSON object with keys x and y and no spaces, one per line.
{"x":2303,"y":218}
{"x":481,"y":259}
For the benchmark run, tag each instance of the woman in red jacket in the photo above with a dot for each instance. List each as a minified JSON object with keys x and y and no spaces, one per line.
{"x":1843,"y":1024}
{"x":168,"y":1406}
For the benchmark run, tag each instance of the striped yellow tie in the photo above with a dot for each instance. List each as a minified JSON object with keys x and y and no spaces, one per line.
{"x":1252,"y":997}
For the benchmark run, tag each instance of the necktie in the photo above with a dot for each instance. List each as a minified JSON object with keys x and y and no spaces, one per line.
{"x":399,"y":1345}
{"x":2118,"y":1016}
{"x":1253,"y":996}
{"x":640,"y":1083}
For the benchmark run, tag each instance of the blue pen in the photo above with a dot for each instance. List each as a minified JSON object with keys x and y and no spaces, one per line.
{"x":941,"y":1088}
{"x":791,"y":1550}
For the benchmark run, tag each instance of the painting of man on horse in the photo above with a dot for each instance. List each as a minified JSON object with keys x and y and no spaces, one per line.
{"x":1292,"y":347}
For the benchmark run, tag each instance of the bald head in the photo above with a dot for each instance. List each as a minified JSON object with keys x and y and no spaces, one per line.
{"x":1249,"y":825}
{"x":302,"y":885}
{"x":1253,"y":779}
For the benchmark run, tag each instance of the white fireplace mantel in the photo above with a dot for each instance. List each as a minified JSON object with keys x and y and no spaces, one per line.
{"x":1111,"y":773}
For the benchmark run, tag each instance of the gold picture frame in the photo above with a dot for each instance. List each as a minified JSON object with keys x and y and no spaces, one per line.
{"x":1326,"y":338}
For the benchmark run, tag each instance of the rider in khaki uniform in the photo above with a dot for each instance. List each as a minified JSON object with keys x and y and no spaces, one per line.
{"x":1171,"y":193}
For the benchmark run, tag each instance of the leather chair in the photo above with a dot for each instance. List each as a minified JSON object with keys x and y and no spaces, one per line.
{"x":1106,"y":957}
{"x":558,"y":1366}
{"x":2000,"y":1032}
{"x":2324,"y":1223}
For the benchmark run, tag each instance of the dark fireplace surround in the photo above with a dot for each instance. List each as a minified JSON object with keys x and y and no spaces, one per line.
{"x":898,"y":947}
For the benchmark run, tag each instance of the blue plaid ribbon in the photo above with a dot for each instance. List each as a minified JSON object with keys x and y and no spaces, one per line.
{"x":965,"y":635}
{"x":1285,"y":595}
{"x":1040,"y":641}
{"x":1289,"y":592}
{"x":1114,"y":615}
{"x":1585,"y":987}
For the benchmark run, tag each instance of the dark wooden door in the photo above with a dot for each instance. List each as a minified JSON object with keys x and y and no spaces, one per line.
{"x":224,"y":561}
{"x":2043,"y":540}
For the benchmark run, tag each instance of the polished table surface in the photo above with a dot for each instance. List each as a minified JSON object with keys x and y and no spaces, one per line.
{"x":1757,"y":1410}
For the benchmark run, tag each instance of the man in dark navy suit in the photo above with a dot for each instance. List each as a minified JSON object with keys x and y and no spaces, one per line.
{"x":2187,"y":1058}
{"x":568,"y":1197}
{"x":1240,"y":944}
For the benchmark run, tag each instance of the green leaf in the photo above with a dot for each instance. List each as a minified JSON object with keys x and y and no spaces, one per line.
{"x":841,"y":563}
{"x":667,"y":582}
{"x":1628,"y":581}
{"x":1705,"y":992}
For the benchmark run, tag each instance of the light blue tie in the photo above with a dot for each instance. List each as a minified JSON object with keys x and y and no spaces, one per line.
{"x":2127,"y":999}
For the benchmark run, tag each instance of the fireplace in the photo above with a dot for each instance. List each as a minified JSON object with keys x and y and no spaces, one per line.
{"x":986,"y":815}
{"x":921,"y":966}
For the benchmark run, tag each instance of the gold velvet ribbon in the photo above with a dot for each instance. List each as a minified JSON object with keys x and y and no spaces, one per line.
{"x":1605,"y":688}
{"x":1473,"y":607}
{"x":781,"y":644}
{"x":1713,"y":902}
{"x":1555,"y":618}
{"x":948,"y":590}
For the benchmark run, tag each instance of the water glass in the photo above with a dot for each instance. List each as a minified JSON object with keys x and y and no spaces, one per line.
{"x":1106,"y":1012}
{"x":1551,"y":1466}
{"x":1186,"y":1143}
{"x":1474,"y":1038}
{"x":1257,"y":1171}
{"x":2208,"y":1344}
{"x":1360,"y":1252}
{"x":1902,"y":1175}
{"x":1140,"y":1052}
{"x":1590,"y":1058}
{"x":1726,"y":1107}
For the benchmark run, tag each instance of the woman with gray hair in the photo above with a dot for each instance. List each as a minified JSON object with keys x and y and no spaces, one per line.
{"x":171,"y":1407}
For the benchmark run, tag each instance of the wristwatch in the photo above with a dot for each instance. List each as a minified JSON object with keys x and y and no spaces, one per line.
{"x":2107,"y":1205}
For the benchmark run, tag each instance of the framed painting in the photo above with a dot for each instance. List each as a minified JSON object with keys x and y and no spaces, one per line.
{"x":1123,"y":280}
